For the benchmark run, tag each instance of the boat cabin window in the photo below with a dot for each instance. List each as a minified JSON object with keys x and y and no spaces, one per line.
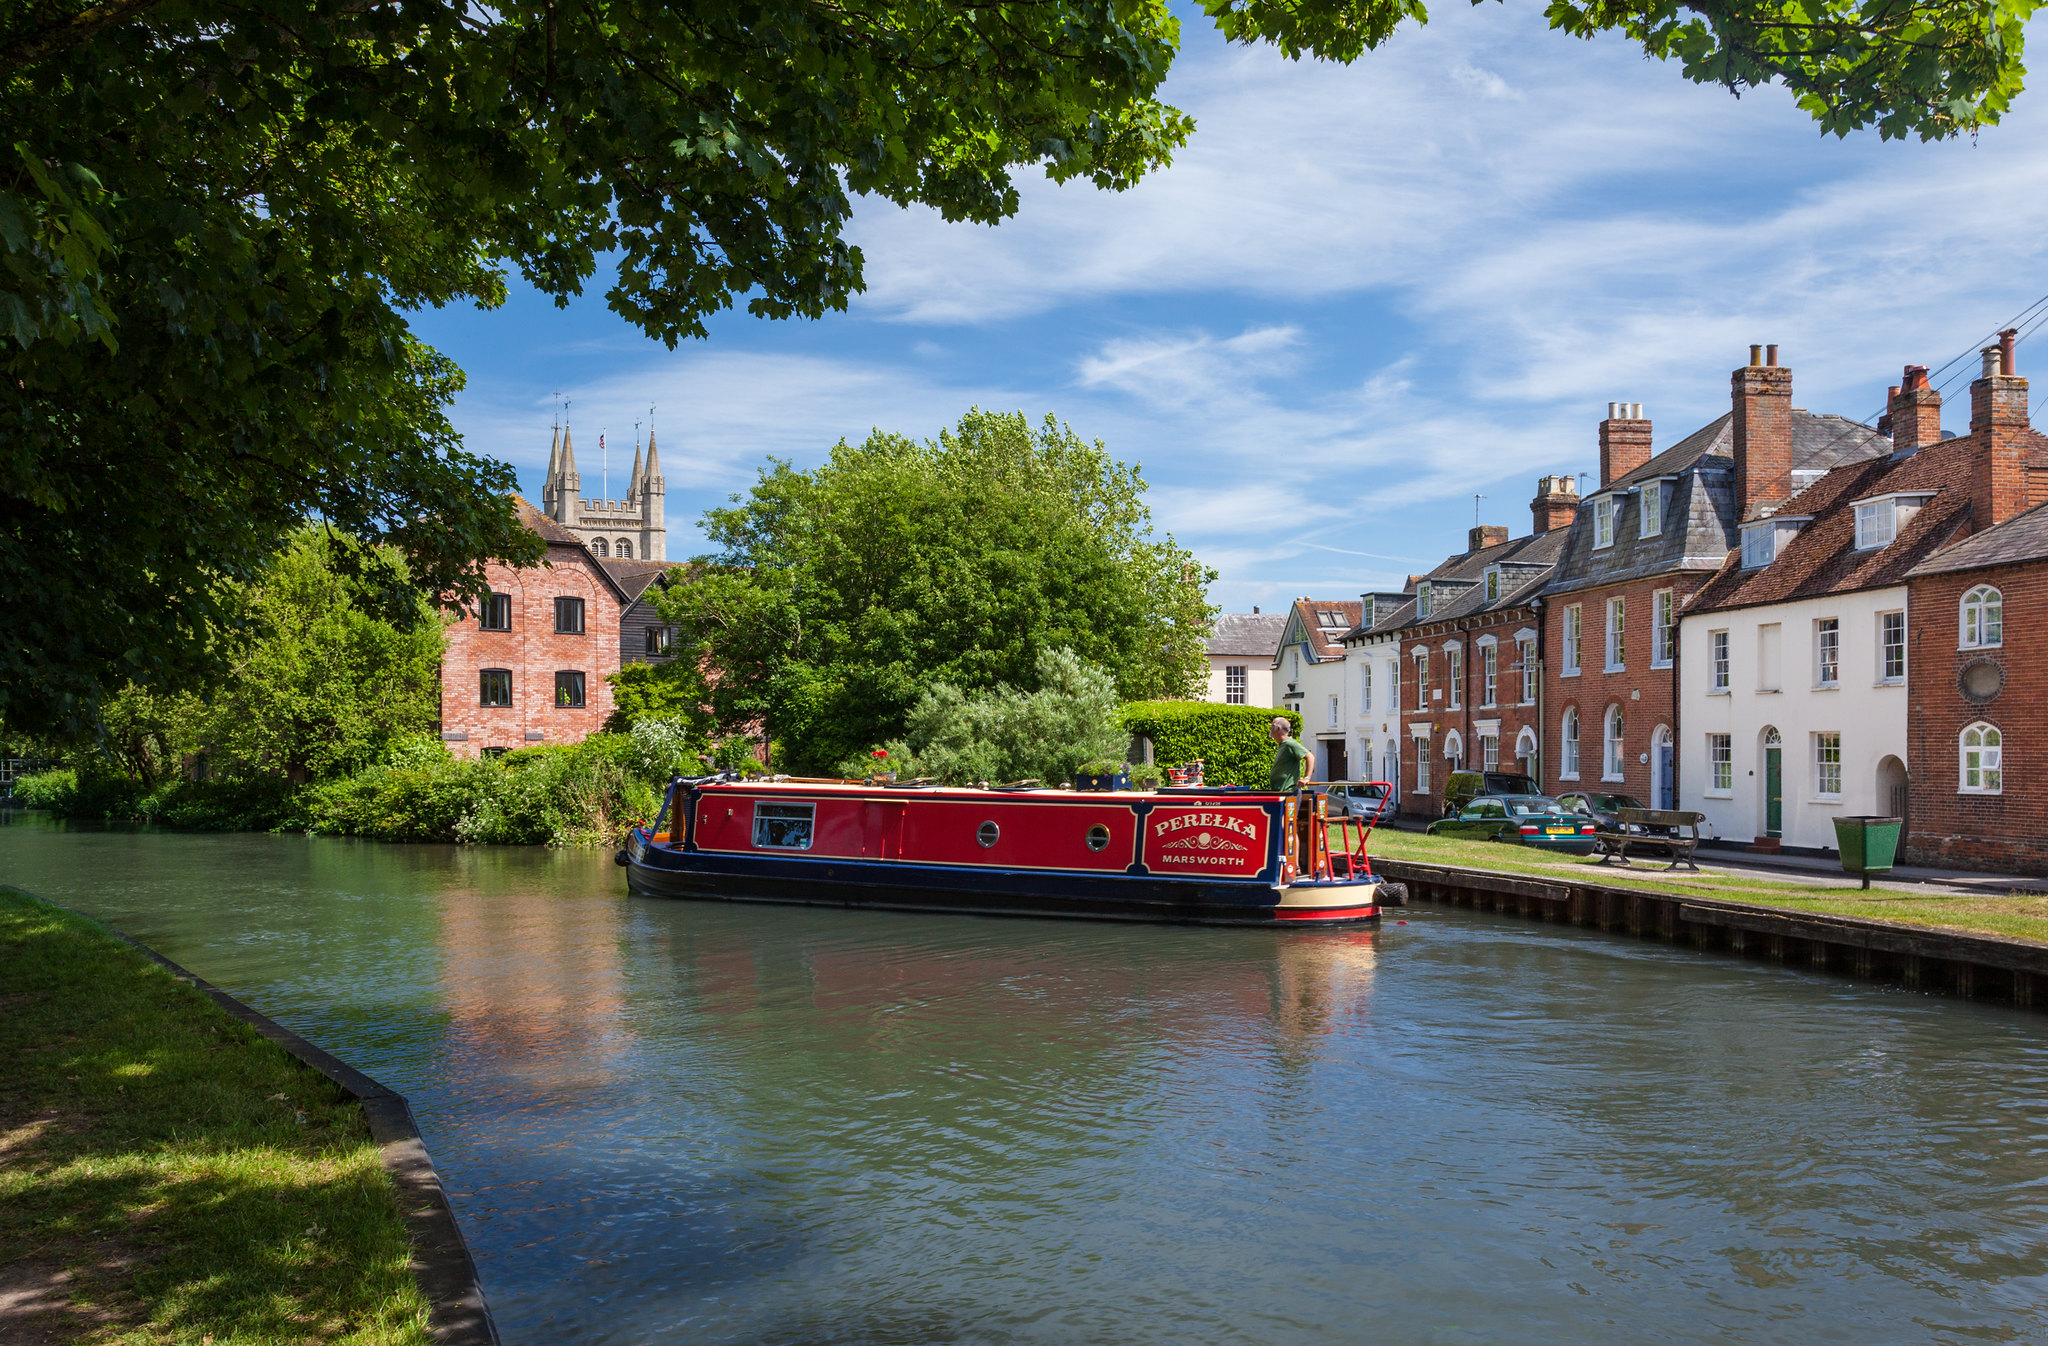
{"x":1098,"y":838}
{"x":783,"y":827}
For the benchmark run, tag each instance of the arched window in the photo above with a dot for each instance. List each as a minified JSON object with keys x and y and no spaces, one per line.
{"x":1454,"y":750}
{"x":1610,"y":745}
{"x":1569,"y":768}
{"x":1982,"y":748}
{"x":623,"y":549}
{"x":1983,"y":620}
{"x":598,"y":547}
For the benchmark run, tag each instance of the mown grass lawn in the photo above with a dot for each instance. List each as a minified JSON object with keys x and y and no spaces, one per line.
{"x":166,"y":1175}
{"x":2018,"y":915}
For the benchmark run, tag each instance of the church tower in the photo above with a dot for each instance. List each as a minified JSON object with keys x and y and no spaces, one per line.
{"x":632,"y":529}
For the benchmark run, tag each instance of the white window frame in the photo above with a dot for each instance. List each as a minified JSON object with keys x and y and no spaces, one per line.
{"x":1365,"y":687}
{"x":1652,"y":509}
{"x":1421,"y":762}
{"x":1827,"y":766}
{"x":1827,"y":652}
{"x":1489,"y":752}
{"x":1604,"y":514}
{"x":1489,"y":672}
{"x":1574,"y":639}
{"x":1876,"y":524}
{"x":1721,"y":765}
{"x":1613,"y":745}
{"x":1454,"y":676}
{"x":1236,"y":685}
{"x":1493,"y":584}
{"x":1336,"y":711}
{"x":1886,"y":623}
{"x":1422,"y":599}
{"x":1981,"y":619}
{"x":1719,"y":665}
{"x":1663,"y":627}
{"x":1759,"y":545}
{"x":1422,"y":679}
{"x":1528,"y":649}
{"x":1394,"y":685}
{"x":1617,"y":634}
{"x":1980,"y":765}
{"x":1568,"y":739}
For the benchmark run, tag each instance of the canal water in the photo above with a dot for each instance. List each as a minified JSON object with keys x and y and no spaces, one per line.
{"x":687,"y":1122}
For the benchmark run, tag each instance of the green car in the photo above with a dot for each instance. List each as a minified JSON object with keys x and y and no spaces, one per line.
{"x":1532,"y":820}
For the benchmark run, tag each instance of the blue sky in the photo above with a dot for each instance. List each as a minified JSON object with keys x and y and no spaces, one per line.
{"x":1361,"y":295}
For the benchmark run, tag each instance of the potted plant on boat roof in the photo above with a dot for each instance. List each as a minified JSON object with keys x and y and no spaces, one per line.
{"x":883,"y":769}
{"x":1102,"y":775}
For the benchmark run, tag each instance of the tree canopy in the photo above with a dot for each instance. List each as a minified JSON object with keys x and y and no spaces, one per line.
{"x":838,"y":596}
{"x":216,"y":214}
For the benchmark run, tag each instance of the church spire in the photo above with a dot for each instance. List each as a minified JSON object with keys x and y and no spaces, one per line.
{"x":568,"y":484}
{"x":633,"y":481}
{"x":547,"y":485}
{"x":651,"y":479}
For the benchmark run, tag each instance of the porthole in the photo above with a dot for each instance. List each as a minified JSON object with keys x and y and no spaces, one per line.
{"x":987,"y":833}
{"x":1098,"y":838}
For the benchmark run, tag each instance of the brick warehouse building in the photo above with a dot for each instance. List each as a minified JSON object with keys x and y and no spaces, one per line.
{"x":1978,"y":622}
{"x":531,"y":667}
{"x":1656,"y":529}
{"x":1463,"y":641}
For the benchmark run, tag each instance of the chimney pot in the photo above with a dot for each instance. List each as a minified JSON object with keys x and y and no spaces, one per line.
{"x":1756,"y":356}
{"x":2008,"y":340}
{"x":1614,"y":411}
{"x":1771,"y":356}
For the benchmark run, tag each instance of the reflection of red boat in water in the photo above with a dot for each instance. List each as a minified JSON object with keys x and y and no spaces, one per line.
{"x":1215,"y":856}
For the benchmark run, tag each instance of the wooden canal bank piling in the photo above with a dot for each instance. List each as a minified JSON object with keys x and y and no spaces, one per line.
{"x":1943,"y":962}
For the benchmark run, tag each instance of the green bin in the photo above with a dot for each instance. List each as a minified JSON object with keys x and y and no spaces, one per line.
{"x":1868,"y":844}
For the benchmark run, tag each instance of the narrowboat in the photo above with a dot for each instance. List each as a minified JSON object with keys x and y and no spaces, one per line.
{"x":1202,"y":855}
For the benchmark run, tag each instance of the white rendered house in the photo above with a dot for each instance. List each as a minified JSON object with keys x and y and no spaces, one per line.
{"x":1309,"y":675}
{"x":1241,"y":650}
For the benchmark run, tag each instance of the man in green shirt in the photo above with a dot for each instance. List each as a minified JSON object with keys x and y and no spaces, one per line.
{"x":1291,"y":762}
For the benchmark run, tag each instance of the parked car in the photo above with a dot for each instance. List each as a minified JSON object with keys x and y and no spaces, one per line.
{"x":1605,"y":811}
{"x":1367,"y":801}
{"x":1530,"y":820}
{"x":1462,"y":787}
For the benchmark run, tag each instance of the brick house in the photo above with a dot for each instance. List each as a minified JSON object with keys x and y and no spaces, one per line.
{"x":1464,"y":641}
{"x":1979,"y":631}
{"x":1658,"y":527}
{"x":530,"y":666}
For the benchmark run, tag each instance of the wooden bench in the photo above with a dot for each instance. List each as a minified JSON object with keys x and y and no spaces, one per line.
{"x":1681,"y":843}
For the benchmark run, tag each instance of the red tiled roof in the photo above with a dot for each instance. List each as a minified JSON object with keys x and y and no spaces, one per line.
{"x":1326,"y":635}
{"x":1822,"y":558}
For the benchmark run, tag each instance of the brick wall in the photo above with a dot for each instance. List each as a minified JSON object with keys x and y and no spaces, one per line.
{"x":1465,"y":719}
{"x":2006,"y":831}
{"x":1647,"y":695}
{"x":534,"y":653}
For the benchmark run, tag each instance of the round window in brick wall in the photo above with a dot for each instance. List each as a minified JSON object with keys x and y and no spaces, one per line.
{"x":1981,"y":680}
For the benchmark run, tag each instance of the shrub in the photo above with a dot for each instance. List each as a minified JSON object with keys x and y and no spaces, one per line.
{"x":52,"y":790}
{"x":1232,"y":741}
{"x":251,"y":804}
{"x":1008,"y":734}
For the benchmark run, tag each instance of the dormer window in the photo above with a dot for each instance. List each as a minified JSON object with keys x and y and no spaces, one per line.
{"x":1879,"y":521}
{"x":1493,"y":584}
{"x":1653,"y":508}
{"x":1603,"y":521}
{"x":1764,"y":539}
{"x":1422,"y":599}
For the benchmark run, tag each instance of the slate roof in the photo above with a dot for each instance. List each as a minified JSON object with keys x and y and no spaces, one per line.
{"x":1822,"y":557}
{"x":2023,"y":537}
{"x":1525,"y":568}
{"x":1703,"y":497}
{"x":1248,"y":633}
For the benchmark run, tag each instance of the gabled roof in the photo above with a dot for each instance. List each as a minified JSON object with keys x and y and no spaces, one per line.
{"x":1324,"y":621}
{"x":1525,"y":567}
{"x":635,"y":578}
{"x":555,"y":535}
{"x":2023,"y":537}
{"x":1253,"y":634}
{"x":1700,"y":523}
{"x":1822,"y":557}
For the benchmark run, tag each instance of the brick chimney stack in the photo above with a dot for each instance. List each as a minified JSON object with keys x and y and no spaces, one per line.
{"x":1915,"y":412}
{"x":1556,"y":503}
{"x":1999,"y":486}
{"x":1486,"y":535}
{"x":1762,"y":394}
{"x":1624,"y":441}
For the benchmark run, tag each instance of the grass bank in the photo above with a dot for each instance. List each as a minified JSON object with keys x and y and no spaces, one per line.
{"x":2014,"y":915}
{"x":166,"y":1175}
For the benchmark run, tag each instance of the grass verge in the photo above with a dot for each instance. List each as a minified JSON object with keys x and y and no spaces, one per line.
{"x":166,"y":1175}
{"x":2013,"y":915}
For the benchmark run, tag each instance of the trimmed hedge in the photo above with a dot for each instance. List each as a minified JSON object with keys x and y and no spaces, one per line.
{"x":1231,"y":740}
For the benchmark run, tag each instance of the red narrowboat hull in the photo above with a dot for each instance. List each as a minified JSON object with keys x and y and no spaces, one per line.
{"x":1203,"y":856}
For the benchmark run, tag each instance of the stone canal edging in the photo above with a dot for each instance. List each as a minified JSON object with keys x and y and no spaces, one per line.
{"x":1955,"y":963}
{"x":458,"y":1315}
